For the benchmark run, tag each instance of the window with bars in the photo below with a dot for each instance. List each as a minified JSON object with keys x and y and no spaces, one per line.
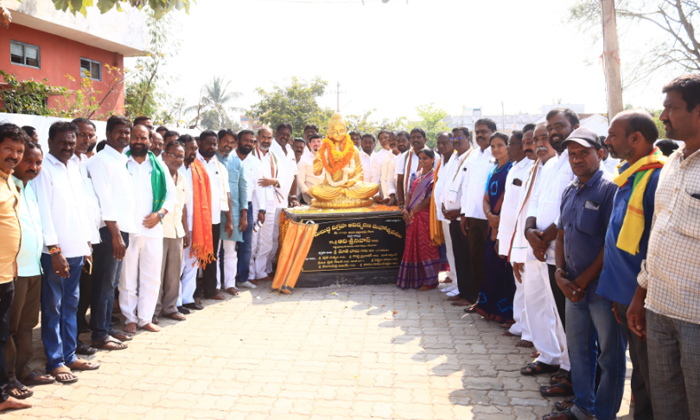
{"x":25,"y":54}
{"x":90,"y":68}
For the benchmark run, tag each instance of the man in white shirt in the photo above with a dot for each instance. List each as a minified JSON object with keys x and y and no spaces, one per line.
{"x":540,"y":232}
{"x":306,"y":178}
{"x":220,"y":202}
{"x":287,"y":179}
{"x":86,"y":137}
{"x":399,"y":146}
{"x":112,"y":184}
{"x":67,"y":234}
{"x":506,"y":226}
{"x":377,"y":159}
{"x":446,"y":151}
{"x":474,"y":222}
{"x":368,"y":144}
{"x":154,"y":194}
{"x":450,"y":205}
{"x":271,"y":185}
{"x":256,"y":199}
{"x":408,"y":163}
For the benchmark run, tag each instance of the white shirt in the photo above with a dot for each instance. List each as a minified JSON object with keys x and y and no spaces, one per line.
{"x":517,"y":176}
{"x":546,"y":200}
{"x":451,"y":193}
{"x":306,"y":178}
{"x":479,"y":167}
{"x":367,"y":166}
{"x":375,"y":165}
{"x":253,"y":170}
{"x":389,"y":175}
{"x":440,"y":184}
{"x":286,"y":173}
{"x":112,"y":184}
{"x":520,"y":250}
{"x":93,"y":209}
{"x":62,"y":203}
{"x":610,"y":164}
{"x":218,"y":179}
{"x":143,"y":194}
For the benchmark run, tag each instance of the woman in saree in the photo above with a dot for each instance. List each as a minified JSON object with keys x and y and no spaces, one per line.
{"x":497,"y":291}
{"x":421,"y":262}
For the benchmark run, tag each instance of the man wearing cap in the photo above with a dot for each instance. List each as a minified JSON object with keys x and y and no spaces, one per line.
{"x":585,"y":210}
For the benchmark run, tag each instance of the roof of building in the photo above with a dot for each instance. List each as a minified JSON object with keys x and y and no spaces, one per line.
{"x":120,"y":32}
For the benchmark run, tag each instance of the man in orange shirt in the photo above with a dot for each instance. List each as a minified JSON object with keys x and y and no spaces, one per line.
{"x":12,"y":141}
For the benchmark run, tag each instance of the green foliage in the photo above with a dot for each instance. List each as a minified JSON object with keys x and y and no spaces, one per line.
{"x":295,"y":104}
{"x":145,"y":89}
{"x":659,"y":125}
{"x":363,"y":124}
{"x":28,"y":97}
{"x":159,"y":7}
{"x":214,"y":106}
{"x":432,"y":122}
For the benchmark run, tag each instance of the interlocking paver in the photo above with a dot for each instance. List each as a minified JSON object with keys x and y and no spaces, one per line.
{"x":312,"y":355}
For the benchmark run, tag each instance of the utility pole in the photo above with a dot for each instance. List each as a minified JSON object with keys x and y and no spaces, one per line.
{"x":337,"y":106}
{"x":611,"y":59}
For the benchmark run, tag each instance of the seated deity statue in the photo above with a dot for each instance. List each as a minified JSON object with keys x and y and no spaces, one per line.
{"x":339,"y":162}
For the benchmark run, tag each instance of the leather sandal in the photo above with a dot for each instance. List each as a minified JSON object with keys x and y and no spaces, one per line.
{"x":63,"y":375}
{"x":18,"y":390}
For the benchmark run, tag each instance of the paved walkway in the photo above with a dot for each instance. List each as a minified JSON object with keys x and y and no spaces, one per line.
{"x":349,"y":352}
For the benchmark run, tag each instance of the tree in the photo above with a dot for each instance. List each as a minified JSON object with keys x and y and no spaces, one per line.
{"x":214,"y":105}
{"x":294,"y":103}
{"x":145,"y":93}
{"x":673,"y":46}
{"x":159,"y":7}
{"x":363,"y":124}
{"x":432,"y":121}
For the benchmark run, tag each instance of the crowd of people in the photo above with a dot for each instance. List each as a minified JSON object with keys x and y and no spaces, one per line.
{"x":562,"y":237}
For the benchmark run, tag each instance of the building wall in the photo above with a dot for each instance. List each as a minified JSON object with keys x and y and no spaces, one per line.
{"x":60,"y":57}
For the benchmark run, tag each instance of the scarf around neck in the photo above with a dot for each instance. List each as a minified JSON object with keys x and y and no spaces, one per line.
{"x":633,"y":224}
{"x":158,"y":184}
{"x":202,"y":246}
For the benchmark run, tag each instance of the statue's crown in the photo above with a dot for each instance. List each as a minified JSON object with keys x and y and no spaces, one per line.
{"x":337,"y":119}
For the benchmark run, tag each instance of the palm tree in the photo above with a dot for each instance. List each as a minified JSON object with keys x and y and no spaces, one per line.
{"x":215,"y":100}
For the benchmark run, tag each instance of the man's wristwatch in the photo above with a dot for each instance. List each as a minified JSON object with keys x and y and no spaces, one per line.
{"x":161,"y":215}
{"x":262,"y":211}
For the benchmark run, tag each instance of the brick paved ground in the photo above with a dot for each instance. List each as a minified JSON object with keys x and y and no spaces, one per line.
{"x":350,"y":352}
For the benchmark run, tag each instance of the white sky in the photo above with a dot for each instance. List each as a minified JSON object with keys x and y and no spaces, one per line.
{"x":396,"y":56}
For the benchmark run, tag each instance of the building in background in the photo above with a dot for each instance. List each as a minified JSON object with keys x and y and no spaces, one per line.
{"x":45,"y":43}
{"x":507,"y":123}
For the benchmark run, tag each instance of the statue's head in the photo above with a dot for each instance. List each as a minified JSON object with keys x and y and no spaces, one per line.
{"x":337,"y":130}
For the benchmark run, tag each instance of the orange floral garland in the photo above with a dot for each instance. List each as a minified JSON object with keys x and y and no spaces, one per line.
{"x":337,"y":160}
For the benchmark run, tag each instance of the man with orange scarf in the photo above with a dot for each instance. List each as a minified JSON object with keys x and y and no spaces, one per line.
{"x":200,"y":253}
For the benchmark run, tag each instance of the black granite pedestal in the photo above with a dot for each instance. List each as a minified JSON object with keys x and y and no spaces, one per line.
{"x":358,"y":246}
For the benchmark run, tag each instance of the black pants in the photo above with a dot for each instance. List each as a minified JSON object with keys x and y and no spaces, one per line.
{"x":465,"y":273}
{"x":85,"y":299}
{"x":559,"y":297}
{"x":640,"y":369}
{"x":208,"y":286}
{"x":7,"y":292}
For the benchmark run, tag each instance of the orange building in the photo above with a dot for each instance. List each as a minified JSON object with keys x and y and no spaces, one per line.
{"x":45,"y":43}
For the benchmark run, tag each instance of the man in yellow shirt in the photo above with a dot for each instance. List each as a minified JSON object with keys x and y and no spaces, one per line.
{"x":12,"y":141}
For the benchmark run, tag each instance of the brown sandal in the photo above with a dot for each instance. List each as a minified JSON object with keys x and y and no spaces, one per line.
{"x":63,"y":375}
{"x":177,"y":316}
{"x":18,"y":390}
{"x":81,"y":364}
{"x":34,"y":379}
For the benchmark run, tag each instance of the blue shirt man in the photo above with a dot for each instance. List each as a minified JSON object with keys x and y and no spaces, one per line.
{"x":586,"y":205}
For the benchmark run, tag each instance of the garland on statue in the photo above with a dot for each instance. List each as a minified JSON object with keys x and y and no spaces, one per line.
{"x":336,"y":159}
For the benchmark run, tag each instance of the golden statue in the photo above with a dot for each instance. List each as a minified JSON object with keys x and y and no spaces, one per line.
{"x":340,"y":164}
